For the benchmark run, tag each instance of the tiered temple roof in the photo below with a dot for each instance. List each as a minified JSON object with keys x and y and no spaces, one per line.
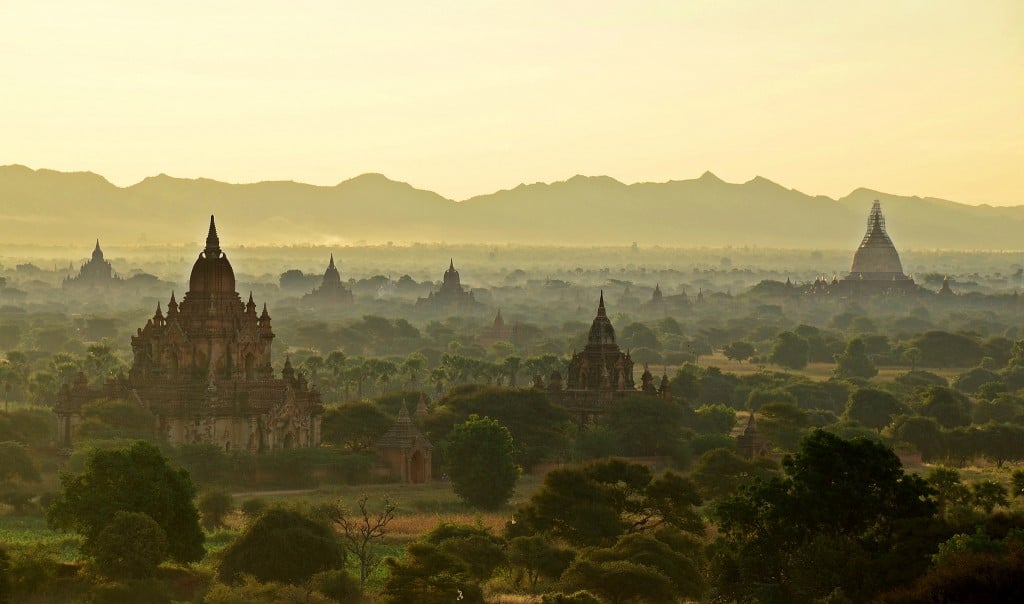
{"x":205,"y":370}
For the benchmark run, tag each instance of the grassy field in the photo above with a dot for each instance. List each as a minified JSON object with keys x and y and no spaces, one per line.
{"x":818,"y":372}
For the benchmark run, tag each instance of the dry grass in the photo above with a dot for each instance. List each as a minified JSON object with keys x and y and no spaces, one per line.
{"x":818,"y":372}
{"x":419,"y":507}
{"x":408,"y":527}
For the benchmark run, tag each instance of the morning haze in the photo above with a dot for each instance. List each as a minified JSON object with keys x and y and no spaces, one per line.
{"x":649,"y":302}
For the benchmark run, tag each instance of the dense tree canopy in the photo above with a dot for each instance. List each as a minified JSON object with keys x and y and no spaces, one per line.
{"x":596,"y":503}
{"x":133,"y":479}
{"x":539,"y":428}
{"x":836,"y":495}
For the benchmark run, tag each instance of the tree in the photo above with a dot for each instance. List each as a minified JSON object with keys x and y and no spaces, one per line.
{"x":478,"y":550}
{"x":739,"y":351}
{"x":1017,"y":480}
{"x":214,"y":506}
{"x":619,"y":581}
{"x":836,"y":494}
{"x":712,"y":419}
{"x":133,"y":479}
{"x":15,"y":462}
{"x":596,"y":503}
{"x":354,"y":427}
{"x":949,"y":490}
{"x":282,"y":545}
{"x":645,"y":425}
{"x":873,"y":408}
{"x":854,"y":361}
{"x":790,"y":351}
{"x":539,"y":428}
{"x":923,"y":433}
{"x":676,"y":556}
{"x":479,"y":460}
{"x":720,"y":473}
{"x":943,"y":349}
{"x":428,"y":575}
{"x":949,"y":407}
{"x":363,"y":531}
{"x":1001,"y":443}
{"x":115,"y":418}
{"x":130,"y":547}
{"x":539,"y":557}
{"x":987,"y":494}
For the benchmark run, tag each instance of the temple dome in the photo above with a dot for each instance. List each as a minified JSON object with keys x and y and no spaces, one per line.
{"x":876,"y":258}
{"x":212,"y":273}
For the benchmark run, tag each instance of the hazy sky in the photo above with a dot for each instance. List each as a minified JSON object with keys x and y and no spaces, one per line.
{"x":910,"y":97}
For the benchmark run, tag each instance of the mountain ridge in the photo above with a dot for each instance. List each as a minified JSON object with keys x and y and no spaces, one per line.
{"x":49,"y":206}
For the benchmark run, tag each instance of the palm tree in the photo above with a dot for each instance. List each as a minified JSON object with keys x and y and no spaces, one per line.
{"x":413,"y":365}
{"x":510,"y":367}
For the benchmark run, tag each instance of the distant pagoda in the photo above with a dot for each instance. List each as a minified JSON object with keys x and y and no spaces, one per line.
{"x":451,"y":297}
{"x":95,"y":273}
{"x":331,"y":291}
{"x":600,"y":374}
{"x":876,"y":264}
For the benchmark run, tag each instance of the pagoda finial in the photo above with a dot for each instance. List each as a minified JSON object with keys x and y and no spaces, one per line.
{"x":600,"y":306}
{"x":331,"y":265}
{"x":451,"y":264}
{"x":173,"y":301}
{"x":212,"y":240}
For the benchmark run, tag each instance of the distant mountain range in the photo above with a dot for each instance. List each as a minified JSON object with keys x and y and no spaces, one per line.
{"x":49,"y":207}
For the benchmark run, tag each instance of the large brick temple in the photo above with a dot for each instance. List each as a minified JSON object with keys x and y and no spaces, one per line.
{"x":204,"y":371}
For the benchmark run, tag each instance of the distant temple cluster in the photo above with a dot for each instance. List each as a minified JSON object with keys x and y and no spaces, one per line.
{"x":204,"y":368}
{"x":204,"y":371}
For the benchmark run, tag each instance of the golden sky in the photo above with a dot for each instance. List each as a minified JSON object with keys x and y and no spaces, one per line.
{"x":909,"y":97}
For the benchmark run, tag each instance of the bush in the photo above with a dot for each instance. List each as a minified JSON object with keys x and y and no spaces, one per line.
{"x":130,"y":547}
{"x":149,"y":591}
{"x":251,"y":591}
{"x":283,"y":546}
{"x":253,"y":507}
{"x":339,"y":585}
{"x":214,"y":506}
{"x":577,"y":597}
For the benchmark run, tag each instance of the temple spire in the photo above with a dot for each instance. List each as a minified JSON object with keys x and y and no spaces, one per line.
{"x":451,"y":264}
{"x":212,"y":240}
{"x":331,"y":265}
{"x":601,"y":312}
